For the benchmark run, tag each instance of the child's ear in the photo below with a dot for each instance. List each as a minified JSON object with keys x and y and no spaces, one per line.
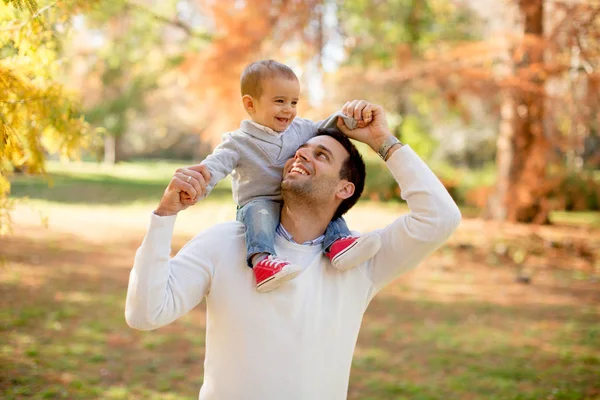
{"x":345,"y":190}
{"x":249,"y":103}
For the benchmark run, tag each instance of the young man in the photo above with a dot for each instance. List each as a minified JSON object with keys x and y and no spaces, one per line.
{"x":295,"y":342}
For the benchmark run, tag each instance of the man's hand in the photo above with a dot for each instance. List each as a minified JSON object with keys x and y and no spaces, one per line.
{"x":374,"y":129}
{"x":184,"y":190}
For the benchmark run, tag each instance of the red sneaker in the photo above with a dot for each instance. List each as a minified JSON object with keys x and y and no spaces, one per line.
{"x":348,"y":252}
{"x":271,"y":272}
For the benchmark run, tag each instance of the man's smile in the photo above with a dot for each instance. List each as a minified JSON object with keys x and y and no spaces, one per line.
{"x":299,"y":169}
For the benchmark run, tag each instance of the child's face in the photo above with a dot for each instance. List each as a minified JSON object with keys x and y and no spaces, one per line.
{"x":276,"y":107}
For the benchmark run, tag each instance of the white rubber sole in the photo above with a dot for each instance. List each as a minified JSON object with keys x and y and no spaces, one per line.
{"x":360,"y":251}
{"x":287,"y":273}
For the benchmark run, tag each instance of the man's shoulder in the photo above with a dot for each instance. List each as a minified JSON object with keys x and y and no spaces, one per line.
{"x":225,"y":231}
{"x":226,"y":227}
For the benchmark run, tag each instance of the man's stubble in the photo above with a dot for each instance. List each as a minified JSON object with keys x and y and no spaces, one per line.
{"x":308,"y":193}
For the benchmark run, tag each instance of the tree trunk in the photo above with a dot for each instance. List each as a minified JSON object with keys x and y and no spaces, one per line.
{"x":527,"y":179}
{"x":110,"y":151}
{"x":498,"y":200}
{"x":523,"y":148}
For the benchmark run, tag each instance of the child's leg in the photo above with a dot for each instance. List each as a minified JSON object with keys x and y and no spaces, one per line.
{"x":261,"y":217}
{"x":336,"y":229}
{"x":346,"y":251}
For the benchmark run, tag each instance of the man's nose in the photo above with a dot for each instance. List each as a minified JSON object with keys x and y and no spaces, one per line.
{"x":302,"y":154}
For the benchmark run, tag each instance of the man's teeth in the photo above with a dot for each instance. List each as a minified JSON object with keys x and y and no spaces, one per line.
{"x":299,"y":170}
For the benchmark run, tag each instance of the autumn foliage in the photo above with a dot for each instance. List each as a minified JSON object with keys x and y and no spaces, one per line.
{"x":241,"y":35}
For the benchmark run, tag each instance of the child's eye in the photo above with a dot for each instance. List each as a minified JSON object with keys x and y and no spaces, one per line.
{"x":279,"y":101}
{"x":294,"y":103}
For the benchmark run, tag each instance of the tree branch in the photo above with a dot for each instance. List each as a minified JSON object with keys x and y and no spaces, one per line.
{"x":34,"y":16}
{"x":175,"y":22}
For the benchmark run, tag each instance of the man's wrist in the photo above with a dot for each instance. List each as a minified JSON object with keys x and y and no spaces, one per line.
{"x":392,"y":150}
{"x":161,"y":212}
{"x":375,"y":143}
{"x":385,"y":147}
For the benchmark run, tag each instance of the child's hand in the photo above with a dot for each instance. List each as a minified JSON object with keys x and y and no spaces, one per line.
{"x":186,"y":199}
{"x":367,"y":117}
{"x":375,"y":131}
{"x":362,"y":112}
{"x":185,"y":188}
{"x":198,"y":183}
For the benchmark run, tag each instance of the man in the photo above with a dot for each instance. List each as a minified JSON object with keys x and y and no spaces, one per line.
{"x":296,"y":342}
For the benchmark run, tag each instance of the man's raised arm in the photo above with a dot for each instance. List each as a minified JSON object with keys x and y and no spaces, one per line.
{"x":433,"y":214}
{"x":162,"y":289}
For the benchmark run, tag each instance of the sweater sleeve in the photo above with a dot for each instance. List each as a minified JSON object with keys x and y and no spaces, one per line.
{"x":307,"y":129}
{"x":222,"y":161}
{"x":412,"y":237}
{"x":162,"y":289}
{"x":331,"y":121}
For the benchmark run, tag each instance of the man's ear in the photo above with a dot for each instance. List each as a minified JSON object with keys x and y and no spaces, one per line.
{"x":249,"y":103}
{"x":345,"y":190}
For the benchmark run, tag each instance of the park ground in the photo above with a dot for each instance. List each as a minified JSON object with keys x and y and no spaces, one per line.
{"x":502,"y":311}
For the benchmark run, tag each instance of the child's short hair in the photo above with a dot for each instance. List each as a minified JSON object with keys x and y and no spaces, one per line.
{"x":253,"y":75}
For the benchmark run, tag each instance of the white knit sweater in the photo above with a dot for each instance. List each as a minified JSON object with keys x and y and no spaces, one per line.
{"x":297,"y":341}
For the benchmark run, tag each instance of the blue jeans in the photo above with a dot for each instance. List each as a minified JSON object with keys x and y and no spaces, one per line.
{"x":261,"y":218}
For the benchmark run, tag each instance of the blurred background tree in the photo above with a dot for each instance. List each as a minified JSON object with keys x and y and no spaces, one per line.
{"x":131,"y":54}
{"x":38,"y":114}
{"x":500,"y":98}
{"x":537,"y":70}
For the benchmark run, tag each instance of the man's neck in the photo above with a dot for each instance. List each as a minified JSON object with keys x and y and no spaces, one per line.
{"x":304,"y":222}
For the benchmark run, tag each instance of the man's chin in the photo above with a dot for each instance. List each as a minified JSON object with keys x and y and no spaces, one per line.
{"x":285,"y":184}
{"x":290,"y":184}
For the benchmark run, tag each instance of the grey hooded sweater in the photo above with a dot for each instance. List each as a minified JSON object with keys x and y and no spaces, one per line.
{"x":255,"y":158}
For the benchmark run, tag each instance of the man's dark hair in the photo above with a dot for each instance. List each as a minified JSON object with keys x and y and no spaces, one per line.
{"x":353,"y":169}
{"x":254,"y":75}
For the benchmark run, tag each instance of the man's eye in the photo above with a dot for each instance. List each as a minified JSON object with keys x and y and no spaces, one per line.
{"x":322,"y":155}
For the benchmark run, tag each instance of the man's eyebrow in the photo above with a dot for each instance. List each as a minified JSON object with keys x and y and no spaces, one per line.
{"x":325,"y":149}
{"x":319,"y":146}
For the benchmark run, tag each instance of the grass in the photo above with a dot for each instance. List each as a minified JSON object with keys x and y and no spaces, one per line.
{"x":143,"y":182}
{"x":459,"y":327}
{"x":576,"y":218}
{"x":91,"y":183}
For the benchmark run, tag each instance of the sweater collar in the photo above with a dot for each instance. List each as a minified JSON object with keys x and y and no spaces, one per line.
{"x":257,"y":131}
{"x":265,"y":128}
{"x":281,"y":231}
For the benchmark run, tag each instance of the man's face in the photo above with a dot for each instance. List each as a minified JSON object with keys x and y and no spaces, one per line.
{"x":315,"y":169}
{"x":276,"y":106}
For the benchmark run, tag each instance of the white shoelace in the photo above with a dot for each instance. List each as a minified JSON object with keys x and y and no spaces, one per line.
{"x":275,"y":261}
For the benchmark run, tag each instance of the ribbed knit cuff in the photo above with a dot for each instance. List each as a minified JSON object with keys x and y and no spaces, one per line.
{"x":160,"y":232}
